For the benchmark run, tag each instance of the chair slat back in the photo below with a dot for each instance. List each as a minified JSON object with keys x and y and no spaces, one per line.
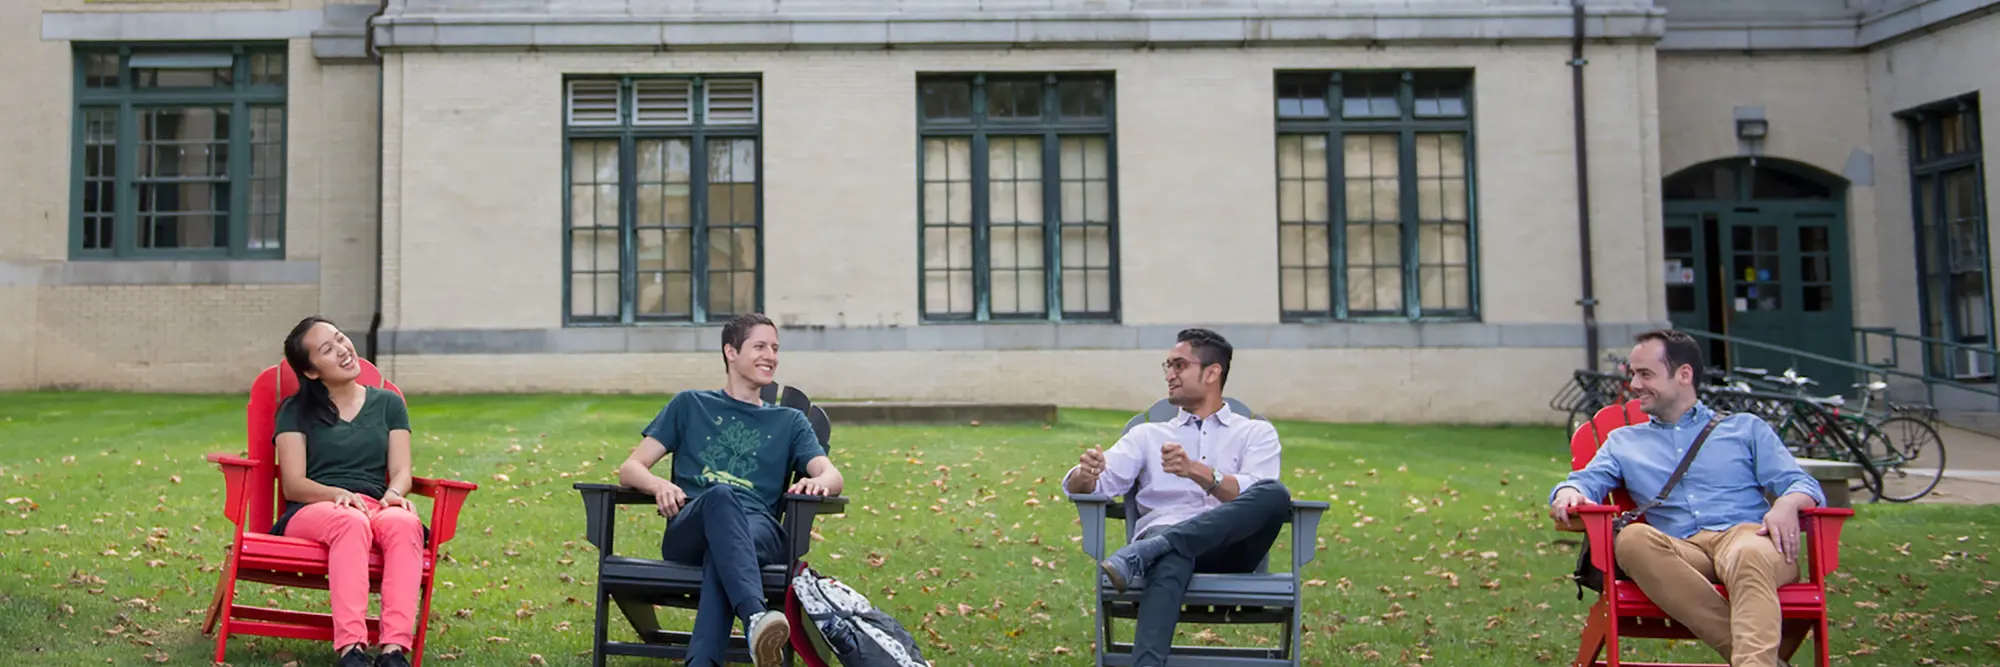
{"x":1583,"y":444}
{"x":267,"y":393}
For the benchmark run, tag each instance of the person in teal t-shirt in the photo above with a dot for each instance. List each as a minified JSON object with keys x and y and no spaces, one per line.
{"x":733,"y":454}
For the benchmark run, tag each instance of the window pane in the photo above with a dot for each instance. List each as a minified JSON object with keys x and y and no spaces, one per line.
{"x":947,"y":100}
{"x":100,"y":70}
{"x":1086,"y":269}
{"x":1086,"y":192}
{"x":267,"y":69}
{"x":1439,"y":95}
{"x":267,"y":174}
{"x":1013,"y":100}
{"x":183,"y":178}
{"x":1369,"y":96}
{"x":1302,"y":97}
{"x":1372,"y":176}
{"x":100,"y":175}
{"x":156,"y":77}
{"x":1082,"y":99}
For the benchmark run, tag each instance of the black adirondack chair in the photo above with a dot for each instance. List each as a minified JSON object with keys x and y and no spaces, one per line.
{"x":637,"y":584}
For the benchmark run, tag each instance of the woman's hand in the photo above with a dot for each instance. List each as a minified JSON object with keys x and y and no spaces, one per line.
{"x":391,"y":498}
{"x":346,"y":498}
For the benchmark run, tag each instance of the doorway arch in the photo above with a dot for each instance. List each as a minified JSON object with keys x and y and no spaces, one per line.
{"x":1756,"y":249}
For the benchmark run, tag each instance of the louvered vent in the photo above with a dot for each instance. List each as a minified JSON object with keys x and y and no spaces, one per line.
{"x":663,"y":102}
{"x":732,"y":101}
{"x":593,"y":103}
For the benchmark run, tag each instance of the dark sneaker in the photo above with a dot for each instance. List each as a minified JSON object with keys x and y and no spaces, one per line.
{"x":355,"y":657}
{"x":1123,"y":567}
{"x":392,"y":659}
{"x":769,"y":634}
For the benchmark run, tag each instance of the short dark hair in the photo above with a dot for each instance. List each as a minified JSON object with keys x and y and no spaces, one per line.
{"x":738,"y":330}
{"x":1210,"y":347}
{"x":1681,"y":350}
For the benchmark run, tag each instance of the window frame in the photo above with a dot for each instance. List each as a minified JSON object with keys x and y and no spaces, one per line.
{"x":1406,"y":126}
{"x":1051,"y":129}
{"x":241,"y":98}
{"x":1928,"y":164}
{"x":628,"y":133}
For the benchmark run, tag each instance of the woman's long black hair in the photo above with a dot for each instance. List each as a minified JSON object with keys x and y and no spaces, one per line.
{"x":314,"y":401}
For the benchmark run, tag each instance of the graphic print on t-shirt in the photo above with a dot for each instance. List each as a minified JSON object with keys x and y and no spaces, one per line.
{"x":730,"y":456}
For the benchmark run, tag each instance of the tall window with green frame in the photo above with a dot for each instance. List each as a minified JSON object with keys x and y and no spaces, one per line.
{"x":1946,"y":176}
{"x":1019,"y":211}
{"x":180,"y":152}
{"x":1375,"y":196}
{"x":664,"y":193}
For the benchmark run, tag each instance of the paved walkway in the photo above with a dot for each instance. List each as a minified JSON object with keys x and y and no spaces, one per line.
{"x":1972,"y":469}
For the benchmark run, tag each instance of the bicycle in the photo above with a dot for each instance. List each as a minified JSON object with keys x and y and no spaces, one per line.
{"x":1809,"y":427}
{"x":1889,"y":441}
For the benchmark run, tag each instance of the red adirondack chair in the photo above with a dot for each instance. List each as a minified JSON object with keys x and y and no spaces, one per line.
{"x":254,"y":498}
{"x":1622,"y":610}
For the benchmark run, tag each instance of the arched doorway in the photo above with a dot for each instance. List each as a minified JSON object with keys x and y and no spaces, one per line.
{"x":1756,"y":248}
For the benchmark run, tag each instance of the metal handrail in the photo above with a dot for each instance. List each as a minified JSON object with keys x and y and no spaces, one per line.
{"x":1861,"y":335}
{"x":1930,"y":382}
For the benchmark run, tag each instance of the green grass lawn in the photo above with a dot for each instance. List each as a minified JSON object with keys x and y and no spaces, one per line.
{"x":1436,"y":551}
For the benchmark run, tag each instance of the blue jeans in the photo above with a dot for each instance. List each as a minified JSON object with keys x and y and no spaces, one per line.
{"x":1230,"y":539}
{"x":718,"y":530}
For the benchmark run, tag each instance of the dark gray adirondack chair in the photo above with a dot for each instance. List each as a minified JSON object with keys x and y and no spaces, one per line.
{"x":1260,"y":598}
{"x":637,"y":584}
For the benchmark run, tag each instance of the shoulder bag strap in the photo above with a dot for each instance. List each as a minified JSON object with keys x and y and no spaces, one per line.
{"x":1674,"y":480}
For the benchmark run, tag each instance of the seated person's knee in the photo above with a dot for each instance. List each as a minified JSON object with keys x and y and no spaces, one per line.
{"x":1638,"y":536}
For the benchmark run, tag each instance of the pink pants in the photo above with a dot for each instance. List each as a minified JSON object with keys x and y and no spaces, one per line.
{"x":350,"y":535}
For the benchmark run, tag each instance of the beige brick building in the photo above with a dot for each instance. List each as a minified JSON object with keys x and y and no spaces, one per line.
{"x":985,"y":199}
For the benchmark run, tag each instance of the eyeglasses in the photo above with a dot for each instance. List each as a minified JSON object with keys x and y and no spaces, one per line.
{"x":1177,"y":365}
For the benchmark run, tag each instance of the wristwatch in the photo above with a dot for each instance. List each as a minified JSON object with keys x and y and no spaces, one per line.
{"x":1217,"y":474}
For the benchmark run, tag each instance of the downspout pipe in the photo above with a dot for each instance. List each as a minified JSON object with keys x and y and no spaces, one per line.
{"x":1589,"y":300}
{"x":375,"y":55}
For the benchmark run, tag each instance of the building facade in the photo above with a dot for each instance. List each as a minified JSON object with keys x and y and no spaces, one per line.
{"x":998,"y":200}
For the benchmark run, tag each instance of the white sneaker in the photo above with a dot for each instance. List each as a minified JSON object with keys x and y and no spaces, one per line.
{"x":769,"y":634}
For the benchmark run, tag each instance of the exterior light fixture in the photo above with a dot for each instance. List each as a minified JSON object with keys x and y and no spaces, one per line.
{"x":1752,"y":128}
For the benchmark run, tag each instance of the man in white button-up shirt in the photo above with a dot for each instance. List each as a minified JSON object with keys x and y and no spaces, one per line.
{"x":1208,"y":498}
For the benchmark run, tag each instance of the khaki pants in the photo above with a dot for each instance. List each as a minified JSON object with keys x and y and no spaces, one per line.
{"x":1679,"y":575}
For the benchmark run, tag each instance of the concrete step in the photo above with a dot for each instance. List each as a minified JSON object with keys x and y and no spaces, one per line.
{"x":936,"y":412}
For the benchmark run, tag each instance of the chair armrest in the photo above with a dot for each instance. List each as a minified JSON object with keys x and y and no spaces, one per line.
{"x":235,"y":485}
{"x":448,"y":497}
{"x":1305,"y":531}
{"x":1822,"y":528}
{"x":600,"y":503}
{"x":1090,"y":511}
{"x":800,"y":510}
{"x":1597,"y":530}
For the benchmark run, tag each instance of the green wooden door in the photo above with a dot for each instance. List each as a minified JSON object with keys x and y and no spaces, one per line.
{"x":1686,"y":266}
{"x":1784,"y":277}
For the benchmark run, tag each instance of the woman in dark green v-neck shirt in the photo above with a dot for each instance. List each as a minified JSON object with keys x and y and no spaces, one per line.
{"x":344,"y":463}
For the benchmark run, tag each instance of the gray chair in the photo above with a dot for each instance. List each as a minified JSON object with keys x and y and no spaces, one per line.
{"x":1261,"y":597}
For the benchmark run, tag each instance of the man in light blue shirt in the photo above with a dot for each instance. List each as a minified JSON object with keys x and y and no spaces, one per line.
{"x":1719,"y":525}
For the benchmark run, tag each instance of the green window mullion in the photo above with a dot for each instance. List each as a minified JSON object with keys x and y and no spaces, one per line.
{"x":1336,"y":232}
{"x":628,"y":213}
{"x":1052,"y":222}
{"x":124,"y":226}
{"x":1406,"y":189}
{"x":982,"y":230}
{"x":239,"y":173}
{"x":698,"y":243}
{"x":1052,"y":305}
{"x":982,"y":309}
